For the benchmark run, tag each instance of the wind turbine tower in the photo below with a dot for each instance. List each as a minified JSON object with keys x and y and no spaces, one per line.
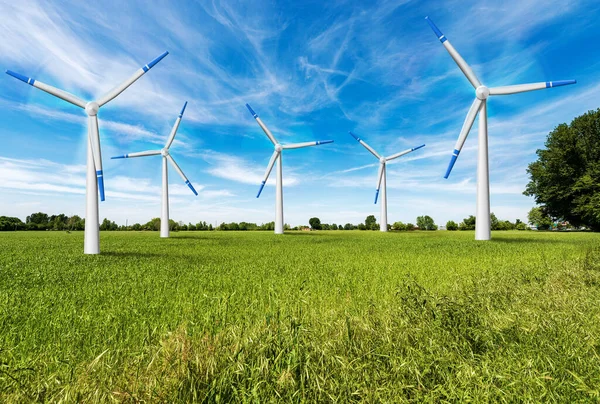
{"x":95,"y":175}
{"x":479,"y":106}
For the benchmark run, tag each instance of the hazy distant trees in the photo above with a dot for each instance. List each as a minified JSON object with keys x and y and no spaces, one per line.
{"x":42,"y":221}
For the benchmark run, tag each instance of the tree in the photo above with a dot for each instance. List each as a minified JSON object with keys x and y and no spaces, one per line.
{"x":11,"y":224}
{"x":349,"y":226}
{"x":153,"y":224}
{"x":108,"y":225}
{"x":399,"y":226}
{"x":467,"y":223}
{"x":565,"y":179}
{"x":371,"y":223}
{"x":539,"y":218}
{"x":426,"y":223}
{"x":451,"y":225}
{"x":494,"y":222}
{"x":410,"y":226}
{"x":315,"y":223}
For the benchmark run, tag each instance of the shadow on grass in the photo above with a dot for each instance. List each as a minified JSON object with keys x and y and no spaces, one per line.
{"x":129,"y":254}
{"x":526,"y":240}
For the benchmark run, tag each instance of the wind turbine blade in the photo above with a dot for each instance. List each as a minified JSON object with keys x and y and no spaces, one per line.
{"x":362,"y":142}
{"x":305,"y":144}
{"x":262,"y":125}
{"x":521,"y":88}
{"x":121,"y":87}
{"x":402,"y":153}
{"x":187,"y":182}
{"x":466,"y":69}
{"x":379,"y":177}
{"x":63,"y":95}
{"x":175,"y":127}
{"x":274,"y":157}
{"x":138,"y":154}
{"x":464,"y":132}
{"x":94,"y":136}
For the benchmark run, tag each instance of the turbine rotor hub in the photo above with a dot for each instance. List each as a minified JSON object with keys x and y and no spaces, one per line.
{"x":164,"y":152}
{"x":278,"y":147}
{"x":91,"y":108}
{"x":482,"y":92}
{"x":382,"y":160}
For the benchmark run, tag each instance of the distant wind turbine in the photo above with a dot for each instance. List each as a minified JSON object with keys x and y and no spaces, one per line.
{"x":95,"y":177}
{"x":276,"y":157}
{"x":164,"y":152}
{"x":483,"y":222}
{"x":381,"y":178}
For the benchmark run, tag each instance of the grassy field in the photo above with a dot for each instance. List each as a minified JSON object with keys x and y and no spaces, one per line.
{"x":323,"y":316}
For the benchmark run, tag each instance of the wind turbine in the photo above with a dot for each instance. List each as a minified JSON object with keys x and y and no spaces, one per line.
{"x":381,"y":177}
{"x":276,"y":156}
{"x":164,"y":152}
{"x":482,"y":224}
{"x":95,"y":178}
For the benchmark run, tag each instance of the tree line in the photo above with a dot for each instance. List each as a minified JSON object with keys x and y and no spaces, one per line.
{"x":42,"y":221}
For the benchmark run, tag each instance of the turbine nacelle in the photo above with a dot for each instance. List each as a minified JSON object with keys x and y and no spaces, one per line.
{"x":278,"y":147}
{"x":92,"y":108}
{"x":164,"y":152}
{"x":482,"y":93}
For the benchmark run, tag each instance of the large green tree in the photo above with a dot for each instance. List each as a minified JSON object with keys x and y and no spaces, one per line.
{"x":426,"y":223}
{"x":371,"y":223}
{"x":315,"y":223}
{"x":565,"y":179}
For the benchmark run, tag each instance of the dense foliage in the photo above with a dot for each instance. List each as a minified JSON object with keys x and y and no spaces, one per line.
{"x":565,"y":179}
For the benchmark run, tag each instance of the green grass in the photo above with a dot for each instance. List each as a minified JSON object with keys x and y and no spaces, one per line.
{"x":323,"y":316}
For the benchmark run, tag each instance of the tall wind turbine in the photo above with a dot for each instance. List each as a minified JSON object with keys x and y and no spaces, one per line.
{"x":276,"y":157}
{"x":164,"y":152}
{"x":482,"y":224}
{"x":381,"y":178}
{"x":95,"y":178}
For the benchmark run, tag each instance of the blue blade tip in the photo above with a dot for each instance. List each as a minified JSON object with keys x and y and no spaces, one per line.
{"x":155,"y":61}
{"x":251,"y":110}
{"x":452,"y":161}
{"x":189,"y":184}
{"x":101,"y":184}
{"x":18,"y":76}
{"x":183,"y":109}
{"x":354,"y":136}
{"x":376,"y":196}
{"x":262,"y":185}
{"x":435,"y":29}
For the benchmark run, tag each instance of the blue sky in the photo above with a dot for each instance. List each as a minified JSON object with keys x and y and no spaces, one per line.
{"x":312,"y":70}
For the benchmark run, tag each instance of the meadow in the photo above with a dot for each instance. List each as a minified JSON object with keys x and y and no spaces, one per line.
{"x":309,"y":316}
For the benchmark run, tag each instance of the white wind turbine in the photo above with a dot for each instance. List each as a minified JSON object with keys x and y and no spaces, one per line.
{"x":381,"y":178}
{"x":95,"y":178}
{"x":164,"y":152}
{"x":482,"y":224}
{"x":277,"y":157}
